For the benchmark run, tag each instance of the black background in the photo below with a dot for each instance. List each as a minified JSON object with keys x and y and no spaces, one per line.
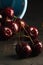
{"x":33,"y":17}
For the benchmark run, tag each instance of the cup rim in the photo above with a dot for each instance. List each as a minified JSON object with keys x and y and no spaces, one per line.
{"x":24,"y":10}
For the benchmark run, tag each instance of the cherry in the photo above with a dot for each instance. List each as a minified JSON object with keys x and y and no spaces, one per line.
{"x":33,"y":32}
{"x":37,"y":47}
{"x":17,"y":24}
{"x":13,"y":25}
{"x":16,"y":27}
{"x":7,"y":19}
{"x":23,"y":49}
{"x":7,"y":32}
{"x":22,"y":24}
{"x":1,"y":18}
{"x":9,"y":12}
{"x":17,"y":20}
{"x":27,"y":50}
{"x":2,"y":14}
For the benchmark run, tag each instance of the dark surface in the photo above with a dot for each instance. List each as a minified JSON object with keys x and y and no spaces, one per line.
{"x":33,"y":16}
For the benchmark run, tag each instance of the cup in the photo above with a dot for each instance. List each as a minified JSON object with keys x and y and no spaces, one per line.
{"x":19,"y":6}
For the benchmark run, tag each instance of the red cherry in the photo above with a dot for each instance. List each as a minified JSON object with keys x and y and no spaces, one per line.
{"x":7,"y":32}
{"x":7,"y":19}
{"x":27,"y":49}
{"x":9,"y":12}
{"x":2,"y":14}
{"x":23,"y":49}
{"x":13,"y":25}
{"x":21,"y":24}
{"x":17,"y":20}
{"x":37,"y":47}
{"x":33,"y":32}
{"x":1,"y":18}
{"x":17,"y":24}
{"x":7,"y":23}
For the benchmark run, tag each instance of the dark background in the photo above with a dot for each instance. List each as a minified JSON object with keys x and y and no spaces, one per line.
{"x":33,"y":17}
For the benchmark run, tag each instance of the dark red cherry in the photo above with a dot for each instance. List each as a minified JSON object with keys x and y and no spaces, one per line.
{"x":7,"y":19}
{"x":2,"y":15}
{"x":20,"y":22}
{"x":15,"y":27}
{"x":11,"y":24}
{"x":7,"y":32}
{"x":17,"y":24}
{"x":9,"y":12}
{"x":17,"y":20}
{"x":23,"y":49}
{"x":33,"y":32}
{"x":1,"y":18}
{"x":37,"y":47}
{"x":27,"y":50}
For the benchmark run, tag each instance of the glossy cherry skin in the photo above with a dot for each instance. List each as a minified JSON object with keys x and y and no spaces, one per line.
{"x":37,"y":47}
{"x":17,"y":24}
{"x":1,"y":16}
{"x":23,"y":49}
{"x":33,"y":32}
{"x":21,"y":23}
{"x":13,"y":25}
{"x":9,"y":12}
{"x":7,"y":19}
{"x":7,"y":32}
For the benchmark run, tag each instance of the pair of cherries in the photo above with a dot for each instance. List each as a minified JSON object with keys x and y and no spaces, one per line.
{"x":10,"y":25}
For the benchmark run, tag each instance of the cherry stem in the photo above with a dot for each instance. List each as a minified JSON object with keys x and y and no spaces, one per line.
{"x":28,"y":35}
{"x":25,"y":36}
{"x":14,"y":18}
{"x":27,"y":25}
{"x":25,"y":31}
